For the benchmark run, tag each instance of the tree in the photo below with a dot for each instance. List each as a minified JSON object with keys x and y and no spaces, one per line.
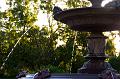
{"x":15,"y":21}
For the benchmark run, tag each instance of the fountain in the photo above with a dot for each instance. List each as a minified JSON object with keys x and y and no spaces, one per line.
{"x":95,"y":19}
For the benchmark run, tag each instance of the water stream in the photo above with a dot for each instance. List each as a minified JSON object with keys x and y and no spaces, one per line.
{"x":3,"y":64}
{"x":74,"y":42}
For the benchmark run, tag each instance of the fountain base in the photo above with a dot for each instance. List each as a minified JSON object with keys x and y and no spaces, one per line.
{"x":95,"y":67}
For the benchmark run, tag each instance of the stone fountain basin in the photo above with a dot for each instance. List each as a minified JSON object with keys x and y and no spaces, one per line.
{"x":90,"y":19}
{"x":66,"y":76}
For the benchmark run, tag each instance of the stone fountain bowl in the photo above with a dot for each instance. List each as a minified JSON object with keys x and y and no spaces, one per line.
{"x":90,"y":19}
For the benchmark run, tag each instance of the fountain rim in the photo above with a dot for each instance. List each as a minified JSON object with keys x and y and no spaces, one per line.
{"x":84,"y":11}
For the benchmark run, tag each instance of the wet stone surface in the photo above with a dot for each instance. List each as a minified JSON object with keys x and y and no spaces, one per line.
{"x":66,"y":76}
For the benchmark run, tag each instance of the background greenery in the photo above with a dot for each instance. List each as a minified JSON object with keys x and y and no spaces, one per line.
{"x":38,"y":49}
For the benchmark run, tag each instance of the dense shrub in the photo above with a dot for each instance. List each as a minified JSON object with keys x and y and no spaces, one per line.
{"x":115,"y":62}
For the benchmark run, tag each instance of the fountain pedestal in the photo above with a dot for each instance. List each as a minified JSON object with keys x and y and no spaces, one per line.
{"x":96,"y":3}
{"x":96,"y":55}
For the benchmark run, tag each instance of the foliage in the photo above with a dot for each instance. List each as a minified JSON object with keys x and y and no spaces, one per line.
{"x":52,"y":69}
{"x":115,"y":62}
{"x":77,"y":3}
{"x":110,"y":49}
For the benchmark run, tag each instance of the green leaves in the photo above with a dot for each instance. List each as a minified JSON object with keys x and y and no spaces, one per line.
{"x":77,"y":3}
{"x":115,"y":62}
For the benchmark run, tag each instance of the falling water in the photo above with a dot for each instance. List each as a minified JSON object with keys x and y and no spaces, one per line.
{"x":112,"y":75}
{"x":75,"y":34}
{"x":3,"y":64}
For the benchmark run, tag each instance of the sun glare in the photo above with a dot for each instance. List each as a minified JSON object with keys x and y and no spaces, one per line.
{"x":42,"y":19}
{"x":3,"y":5}
{"x":117,"y":43}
